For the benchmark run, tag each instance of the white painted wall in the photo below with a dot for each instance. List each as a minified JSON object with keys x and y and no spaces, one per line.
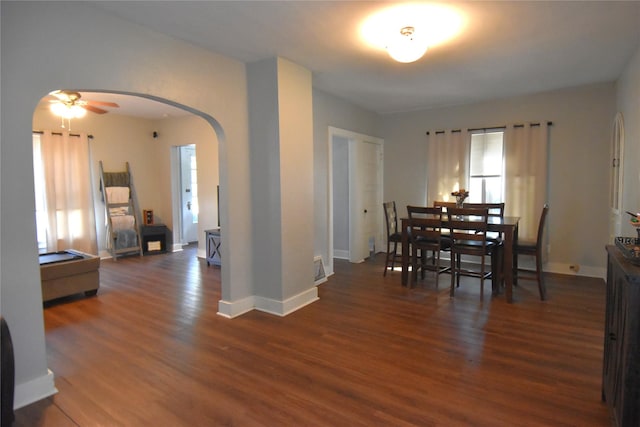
{"x":578,"y":165}
{"x":40,"y":55}
{"x":628,"y":102}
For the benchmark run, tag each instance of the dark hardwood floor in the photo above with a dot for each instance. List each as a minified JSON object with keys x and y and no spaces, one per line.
{"x":150,"y":350}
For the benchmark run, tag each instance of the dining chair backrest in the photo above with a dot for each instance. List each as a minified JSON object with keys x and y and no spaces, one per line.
{"x":468,"y":225}
{"x":495,"y":209}
{"x":423,"y":212}
{"x":424,"y":222}
{"x":425,"y":229}
{"x":391,"y":216}
{"x":444,"y":205}
{"x":543,"y":219}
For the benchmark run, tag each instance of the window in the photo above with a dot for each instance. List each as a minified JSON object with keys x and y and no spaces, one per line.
{"x":486,"y":167}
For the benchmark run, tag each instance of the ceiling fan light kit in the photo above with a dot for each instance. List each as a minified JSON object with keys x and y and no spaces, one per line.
{"x":68,"y":105}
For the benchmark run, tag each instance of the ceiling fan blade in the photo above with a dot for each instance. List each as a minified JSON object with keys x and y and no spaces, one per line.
{"x":103,"y":103}
{"x":94,"y":109}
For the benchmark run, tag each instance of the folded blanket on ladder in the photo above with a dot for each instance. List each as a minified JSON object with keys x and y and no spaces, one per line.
{"x":118,"y":194}
{"x":122,"y":222}
{"x":125,"y":239}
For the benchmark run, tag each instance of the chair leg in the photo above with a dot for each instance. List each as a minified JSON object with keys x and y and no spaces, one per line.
{"x":437,"y":266}
{"x":386,"y":260}
{"x":391,"y":257}
{"x":395,"y":255}
{"x":515,"y":268}
{"x":453,"y":274}
{"x":541,"y":285}
{"x":482,"y":277}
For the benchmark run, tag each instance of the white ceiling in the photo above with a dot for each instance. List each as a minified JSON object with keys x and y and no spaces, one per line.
{"x":506,"y":48}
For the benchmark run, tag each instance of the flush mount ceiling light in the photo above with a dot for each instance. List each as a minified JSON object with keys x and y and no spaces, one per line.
{"x":407,"y":47}
{"x":407,"y":31}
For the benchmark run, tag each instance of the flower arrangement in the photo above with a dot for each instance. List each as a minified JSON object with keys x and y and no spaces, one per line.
{"x":460,"y":196}
{"x":635,"y":219}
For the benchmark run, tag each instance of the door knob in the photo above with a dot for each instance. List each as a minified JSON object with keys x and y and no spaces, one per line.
{"x":189,"y":205}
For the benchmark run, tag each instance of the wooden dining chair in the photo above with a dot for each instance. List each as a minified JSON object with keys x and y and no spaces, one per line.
{"x":393,"y":236}
{"x":425,"y":237}
{"x":533,"y":248}
{"x":495,"y":210}
{"x":468,"y":232}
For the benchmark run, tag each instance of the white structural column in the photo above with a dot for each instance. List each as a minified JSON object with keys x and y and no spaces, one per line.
{"x":281,"y":143}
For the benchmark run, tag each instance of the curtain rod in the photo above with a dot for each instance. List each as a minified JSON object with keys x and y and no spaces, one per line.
{"x":490,"y":128}
{"x":60,"y":133}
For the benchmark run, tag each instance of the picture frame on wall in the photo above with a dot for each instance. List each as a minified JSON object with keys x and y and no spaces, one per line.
{"x":148,"y":216}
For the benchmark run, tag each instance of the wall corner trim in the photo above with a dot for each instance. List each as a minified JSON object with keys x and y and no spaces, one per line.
{"x":33,"y":390}
{"x":231,"y":309}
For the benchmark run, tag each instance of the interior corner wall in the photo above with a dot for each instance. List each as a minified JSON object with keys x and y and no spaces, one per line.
{"x":33,"y":64}
{"x":264,"y":134}
{"x":296,"y":177}
{"x":628,"y":102}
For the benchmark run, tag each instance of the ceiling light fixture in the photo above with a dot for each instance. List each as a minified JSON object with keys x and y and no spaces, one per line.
{"x":68,"y":111}
{"x":68,"y":106}
{"x":406,"y":31}
{"x":407,"y":47}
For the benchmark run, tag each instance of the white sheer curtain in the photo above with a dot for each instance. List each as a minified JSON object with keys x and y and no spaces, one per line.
{"x":64,"y":182}
{"x":448,"y":164}
{"x":526,"y":175}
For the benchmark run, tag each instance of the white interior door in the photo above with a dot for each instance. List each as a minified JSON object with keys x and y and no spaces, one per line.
{"x":189,"y":193}
{"x":365,"y":198}
{"x":615,"y":184}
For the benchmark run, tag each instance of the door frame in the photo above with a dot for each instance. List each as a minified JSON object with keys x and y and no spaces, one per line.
{"x":350,"y":136}
{"x":183,"y":235}
{"x":616,"y":180}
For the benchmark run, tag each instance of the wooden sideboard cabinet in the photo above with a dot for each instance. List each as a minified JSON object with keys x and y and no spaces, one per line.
{"x":621,"y":361}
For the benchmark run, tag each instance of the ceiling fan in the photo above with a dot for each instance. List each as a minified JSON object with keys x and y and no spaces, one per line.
{"x":69,"y":105}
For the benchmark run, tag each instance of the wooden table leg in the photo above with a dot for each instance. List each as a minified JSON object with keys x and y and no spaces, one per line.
{"x":405,"y":253}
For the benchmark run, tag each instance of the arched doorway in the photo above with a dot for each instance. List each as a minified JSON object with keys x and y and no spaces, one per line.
{"x":143,"y":132}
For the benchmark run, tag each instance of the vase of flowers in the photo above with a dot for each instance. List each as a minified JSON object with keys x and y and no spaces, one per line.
{"x":460,"y":196}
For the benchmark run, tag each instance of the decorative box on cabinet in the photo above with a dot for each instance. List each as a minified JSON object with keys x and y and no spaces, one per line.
{"x":212,"y":237}
{"x":155,"y":238}
{"x":621,"y":361}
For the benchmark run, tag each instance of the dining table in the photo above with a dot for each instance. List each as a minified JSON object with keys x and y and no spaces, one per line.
{"x":507,"y":226}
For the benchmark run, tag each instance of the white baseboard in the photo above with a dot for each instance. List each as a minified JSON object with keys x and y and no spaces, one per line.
{"x":34,"y":390}
{"x":176,"y":247}
{"x":233,"y":309}
{"x":288,"y":306}
{"x":584,"y":270}
{"x":340,"y":254}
